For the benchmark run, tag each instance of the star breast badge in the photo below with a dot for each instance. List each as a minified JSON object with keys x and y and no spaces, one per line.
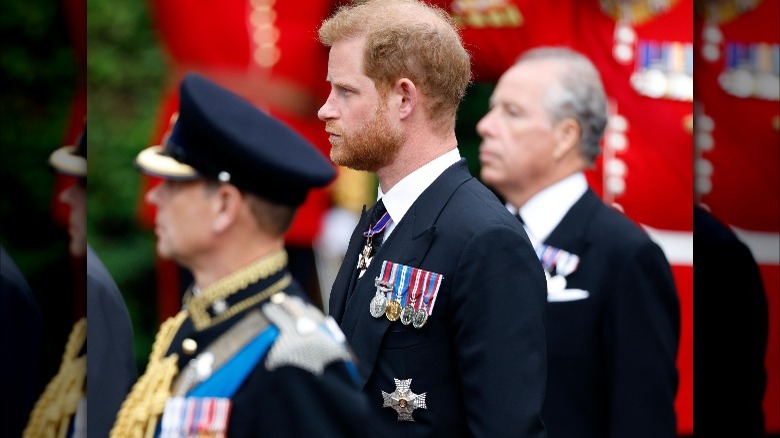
{"x":403,"y":400}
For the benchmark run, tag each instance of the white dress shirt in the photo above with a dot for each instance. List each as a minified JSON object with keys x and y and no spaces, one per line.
{"x":545,"y":210}
{"x":400,"y":198}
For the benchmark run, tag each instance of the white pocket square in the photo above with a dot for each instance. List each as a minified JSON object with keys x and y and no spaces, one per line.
{"x":567,"y":295}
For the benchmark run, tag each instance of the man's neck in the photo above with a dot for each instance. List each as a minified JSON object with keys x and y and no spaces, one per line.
{"x":413,"y":155}
{"x":230,"y":258}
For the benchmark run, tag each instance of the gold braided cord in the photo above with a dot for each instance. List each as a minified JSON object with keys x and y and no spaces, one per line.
{"x":138,"y":416}
{"x":724,"y":11}
{"x":253,"y":300}
{"x":263,"y":268}
{"x":636,"y":12}
{"x":55,"y":408}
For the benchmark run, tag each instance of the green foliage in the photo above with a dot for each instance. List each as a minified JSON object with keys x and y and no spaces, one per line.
{"x":126,"y":72}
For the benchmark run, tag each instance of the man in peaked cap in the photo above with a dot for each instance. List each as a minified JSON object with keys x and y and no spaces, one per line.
{"x":103,"y":378}
{"x":247,"y":356}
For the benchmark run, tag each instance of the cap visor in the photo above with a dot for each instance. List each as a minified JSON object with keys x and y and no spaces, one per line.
{"x":152,"y":162}
{"x":64,"y":160}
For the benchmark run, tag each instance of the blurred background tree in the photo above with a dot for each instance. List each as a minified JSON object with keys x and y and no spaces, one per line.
{"x":37,"y":84}
{"x":125,"y":77}
{"x":125,"y":70}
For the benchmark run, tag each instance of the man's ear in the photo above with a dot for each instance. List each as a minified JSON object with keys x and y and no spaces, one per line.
{"x":567,"y":137}
{"x":407,"y":92}
{"x":226,"y":205}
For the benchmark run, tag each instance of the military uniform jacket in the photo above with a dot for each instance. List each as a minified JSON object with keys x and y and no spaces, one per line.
{"x":480,"y":358}
{"x":611,"y":356}
{"x":301,"y":386}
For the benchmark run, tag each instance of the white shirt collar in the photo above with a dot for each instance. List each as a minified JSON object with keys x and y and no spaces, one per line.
{"x":545,"y":210}
{"x":400,"y":198}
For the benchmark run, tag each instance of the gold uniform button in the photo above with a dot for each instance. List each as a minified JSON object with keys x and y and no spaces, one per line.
{"x":189,"y":346}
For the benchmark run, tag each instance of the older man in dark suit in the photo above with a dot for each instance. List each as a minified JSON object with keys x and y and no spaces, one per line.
{"x":440,"y":293}
{"x":612,"y":309}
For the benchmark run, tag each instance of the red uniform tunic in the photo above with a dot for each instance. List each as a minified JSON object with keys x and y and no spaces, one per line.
{"x":737,"y":154}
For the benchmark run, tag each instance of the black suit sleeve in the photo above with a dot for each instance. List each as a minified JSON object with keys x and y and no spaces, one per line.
{"x":640,"y":335}
{"x":498,"y":308}
{"x":111,"y":366}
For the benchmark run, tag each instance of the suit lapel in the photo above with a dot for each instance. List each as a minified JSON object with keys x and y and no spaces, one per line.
{"x":347,"y":275}
{"x":571,"y":233}
{"x":408,"y":245}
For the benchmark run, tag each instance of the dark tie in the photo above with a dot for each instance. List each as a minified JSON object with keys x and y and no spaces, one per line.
{"x":378,"y":211}
{"x":520,"y":218}
{"x":372,"y":243}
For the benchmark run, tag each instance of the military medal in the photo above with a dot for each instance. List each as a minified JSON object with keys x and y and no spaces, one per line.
{"x":384,"y":285}
{"x":393,"y":311}
{"x":427,"y":300}
{"x":405,"y":293}
{"x":403,"y":400}
{"x":407,"y":313}
{"x":559,"y":261}
{"x":365,"y":257}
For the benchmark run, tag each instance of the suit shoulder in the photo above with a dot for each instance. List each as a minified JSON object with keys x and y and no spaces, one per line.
{"x":479,"y":207}
{"x":614,"y":225}
{"x":307,"y":338}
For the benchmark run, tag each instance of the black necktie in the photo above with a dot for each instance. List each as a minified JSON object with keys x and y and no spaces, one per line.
{"x":371,"y":244}
{"x":520,"y":218}
{"x":378,"y":211}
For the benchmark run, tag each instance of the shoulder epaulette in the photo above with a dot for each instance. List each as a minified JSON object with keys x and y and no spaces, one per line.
{"x":307,"y":338}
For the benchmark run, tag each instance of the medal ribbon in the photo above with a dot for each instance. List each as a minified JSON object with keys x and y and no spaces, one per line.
{"x":379,"y":226}
{"x":563,"y":262}
{"x":435,"y":293}
{"x":424,"y":290}
{"x":401,"y":282}
{"x":387,"y":267}
{"x":416,"y":274}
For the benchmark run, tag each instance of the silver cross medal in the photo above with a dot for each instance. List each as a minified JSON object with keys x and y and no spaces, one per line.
{"x":403,"y":400}
{"x":364,"y":259}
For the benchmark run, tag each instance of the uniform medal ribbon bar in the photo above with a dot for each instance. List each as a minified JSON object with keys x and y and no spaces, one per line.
{"x":195,"y":417}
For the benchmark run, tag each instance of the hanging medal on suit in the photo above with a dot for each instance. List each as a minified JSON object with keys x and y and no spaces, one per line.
{"x":405,"y":293}
{"x":369,"y":250}
{"x":384,"y":287}
{"x":556,"y":260}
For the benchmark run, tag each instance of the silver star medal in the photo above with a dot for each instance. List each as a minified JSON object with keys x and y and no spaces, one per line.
{"x":403,"y":400}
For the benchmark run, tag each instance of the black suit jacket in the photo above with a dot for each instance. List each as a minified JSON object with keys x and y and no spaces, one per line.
{"x":21,"y":344}
{"x":480,"y":358}
{"x":111,"y":366}
{"x":611,"y":356}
